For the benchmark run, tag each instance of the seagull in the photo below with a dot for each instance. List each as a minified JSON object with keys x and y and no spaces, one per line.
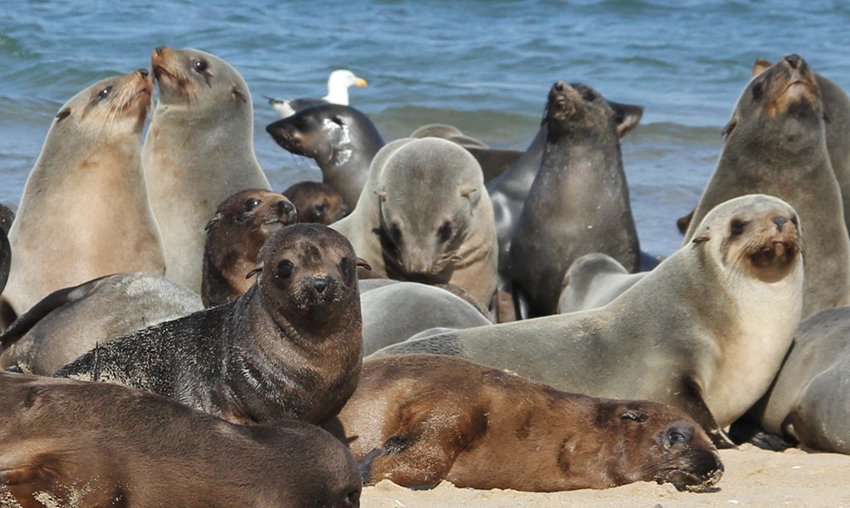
{"x":338,"y":84}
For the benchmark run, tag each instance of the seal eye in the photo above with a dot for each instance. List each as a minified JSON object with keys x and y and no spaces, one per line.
{"x":674,"y":436}
{"x":284,"y":269}
{"x":104,"y":93}
{"x":395,"y":233}
{"x":445,"y":231}
{"x":251,"y":204}
{"x":199,"y":65}
{"x":321,"y":207}
{"x":758,"y":91}
{"x":588,"y":95}
{"x":345,"y":266}
{"x":738,"y":227}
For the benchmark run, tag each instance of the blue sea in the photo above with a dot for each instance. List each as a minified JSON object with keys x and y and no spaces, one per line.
{"x":483,"y":66}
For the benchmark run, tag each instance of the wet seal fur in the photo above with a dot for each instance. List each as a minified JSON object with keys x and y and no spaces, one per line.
{"x":776,"y":144}
{"x":86,"y":445}
{"x":425,"y":216}
{"x":199,"y":150}
{"x":288,"y":348}
{"x":342,"y":141}
{"x":86,"y":190}
{"x":317,"y":202}
{"x":807,"y":402}
{"x":419,"y":419}
{"x":241,"y":225}
{"x":578,"y":203}
{"x":71,"y":321}
{"x":705,"y":331}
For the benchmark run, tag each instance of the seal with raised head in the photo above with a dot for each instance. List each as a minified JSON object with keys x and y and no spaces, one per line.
{"x":199,"y":150}
{"x":71,"y":321}
{"x":776,"y":144}
{"x":705,"y":331}
{"x":87,"y":445}
{"x":84,"y":212}
{"x":578,"y":203}
{"x":288,"y":348}
{"x":241,"y":225}
{"x":425,"y":216}
{"x":317,"y":202}
{"x":419,"y":419}
{"x":342,"y":141}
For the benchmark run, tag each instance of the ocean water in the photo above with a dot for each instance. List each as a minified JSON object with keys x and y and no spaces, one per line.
{"x":484,"y":66}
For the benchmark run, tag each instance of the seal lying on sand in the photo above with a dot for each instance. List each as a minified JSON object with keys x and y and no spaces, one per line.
{"x":419,"y":419}
{"x":84,"y":212}
{"x":86,"y":445}
{"x":241,"y":225}
{"x":705,"y":331}
{"x":288,"y":348}
{"x":199,"y":150}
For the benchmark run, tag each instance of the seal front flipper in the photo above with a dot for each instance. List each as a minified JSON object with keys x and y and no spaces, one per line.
{"x":692,"y":402}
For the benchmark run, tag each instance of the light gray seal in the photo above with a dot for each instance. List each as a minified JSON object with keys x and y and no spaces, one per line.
{"x":706,"y":331}
{"x":593,"y":281}
{"x":776,"y":144}
{"x":199,"y":150}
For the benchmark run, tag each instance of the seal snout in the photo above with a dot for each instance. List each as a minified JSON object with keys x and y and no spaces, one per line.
{"x":320,"y":282}
{"x":793,"y":60}
{"x":779,"y":221}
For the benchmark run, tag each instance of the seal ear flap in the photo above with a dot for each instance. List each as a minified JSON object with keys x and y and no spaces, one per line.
{"x":217,"y":217}
{"x":382,"y":195}
{"x":470,"y":192}
{"x":626,"y":116}
{"x":65,"y":113}
{"x":633,"y":414}
{"x":363,"y":264}
{"x":760,"y":66}
{"x":729,"y":127}
{"x":238,"y":95}
{"x":253,"y":272}
{"x":700,"y":239}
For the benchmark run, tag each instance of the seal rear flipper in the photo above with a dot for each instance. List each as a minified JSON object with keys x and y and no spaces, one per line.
{"x":747,"y":430}
{"x":692,"y":402}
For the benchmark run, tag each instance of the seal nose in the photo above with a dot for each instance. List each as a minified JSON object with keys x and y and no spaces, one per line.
{"x":559,"y":86}
{"x":779,"y":221}
{"x":285,"y":207}
{"x":793,"y":60}
{"x":158,"y":50}
{"x":143,"y":72}
{"x":320,"y":283}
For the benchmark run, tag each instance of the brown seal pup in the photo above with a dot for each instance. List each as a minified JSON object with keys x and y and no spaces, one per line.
{"x":241,"y":225}
{"x":578,"y":203}
{"x":419,"y":419}
{"x":71,"y":321}
{"x":342,"y":141}
{"x":776,"y":144}
{"x":86,"y":445}
{"x":84,"y":212}
{"x":705,"y":331}
{"x":199,"y":150}
{"x":288,"y":348}
{"x":425,"y":216}
{"x":317,"y":202}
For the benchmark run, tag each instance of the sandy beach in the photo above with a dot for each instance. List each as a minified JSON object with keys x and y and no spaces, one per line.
{"x":753,"y":478}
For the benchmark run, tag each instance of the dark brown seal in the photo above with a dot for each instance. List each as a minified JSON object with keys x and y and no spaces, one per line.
{"x":288,"y":348}
{"x":419,"y":419}
{"x":317,"y":202}
{"x":241,"y":225}
{"x":69,"y":443}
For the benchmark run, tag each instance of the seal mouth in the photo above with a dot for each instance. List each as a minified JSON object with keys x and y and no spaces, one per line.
{"x":700,"y":473}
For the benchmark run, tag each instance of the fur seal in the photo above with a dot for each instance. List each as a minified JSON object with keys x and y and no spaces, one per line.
{"x":199,"y":150}
{"x":435,"y":307}
{"x":241,"y":225}
{"x":86,"y":445}
{"x":288,"y":348}
{"x":84,"y":212}
{"x":342,"y":141}
{"x":578,"y":203}
{"x":425,"y":216}
{"x":419,"y":419}
{"x":594,"y":280}
{"x":776,"y":144}
{"x":5,"y":259}
{"x":493,"y":161}
{"x":71,"y":321}
{"x":338,"y":84}
{"x":704,"y":332}
{"x":807,"y":402}
{"x":317,"y":202}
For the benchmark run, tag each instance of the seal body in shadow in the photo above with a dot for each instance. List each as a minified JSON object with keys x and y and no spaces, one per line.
{"x":425,"y":216}
{"x":288,"y":348}
{"x":342,"y":141}
{"x":776,"y":144}
{"x":88,"y":445}
{"x":199,"y":150}
{"x":706,"y":331}
{"x":419,"y":419}
{"x":71,"y":321}
{"x":317,"y":202}
{"x":578,"y":203}
{"x":84,"y":212}
{"x":241,"y":225}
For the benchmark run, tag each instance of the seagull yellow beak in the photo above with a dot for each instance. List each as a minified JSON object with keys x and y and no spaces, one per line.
{"x":360,"y":82}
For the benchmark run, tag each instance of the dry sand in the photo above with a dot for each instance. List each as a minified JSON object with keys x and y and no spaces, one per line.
{"x":753,"y":477}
